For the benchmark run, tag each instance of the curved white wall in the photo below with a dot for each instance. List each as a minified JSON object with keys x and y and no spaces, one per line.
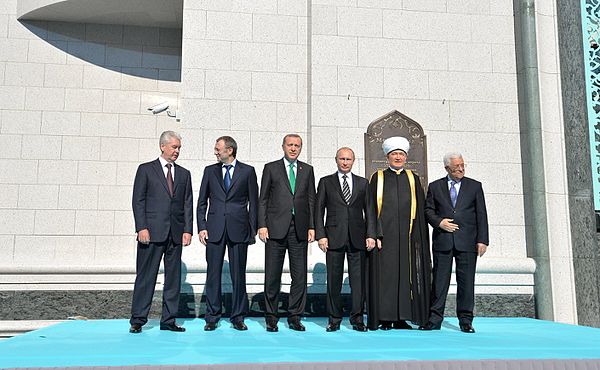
{"x":152,"y":13}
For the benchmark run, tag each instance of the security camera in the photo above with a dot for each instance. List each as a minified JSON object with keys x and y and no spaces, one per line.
{"x":159,"y":108}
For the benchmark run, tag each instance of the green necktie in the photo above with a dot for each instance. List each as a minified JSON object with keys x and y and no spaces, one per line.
{"x":292,"y":178}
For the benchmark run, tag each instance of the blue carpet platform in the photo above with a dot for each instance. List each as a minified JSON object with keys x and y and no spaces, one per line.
{"x":499,"y":343}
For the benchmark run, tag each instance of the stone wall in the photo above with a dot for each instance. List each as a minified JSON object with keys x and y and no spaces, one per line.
{"x":75,"y":126}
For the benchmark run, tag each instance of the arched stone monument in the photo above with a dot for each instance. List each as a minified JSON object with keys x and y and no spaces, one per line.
{"x":396,"y":124}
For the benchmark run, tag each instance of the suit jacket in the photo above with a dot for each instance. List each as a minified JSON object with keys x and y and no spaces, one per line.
{"x":154,"y":208}
{"x":234,"y":211}
{"x":469,"y":214}
{"x":355,"y":220}
{"x":276,"y":200}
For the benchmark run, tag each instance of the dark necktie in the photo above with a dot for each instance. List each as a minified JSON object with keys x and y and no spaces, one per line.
{"x":169,"y":179}
{"x":227,"y":178}
{"x":346,"y":189}
{"x":453,"y":193}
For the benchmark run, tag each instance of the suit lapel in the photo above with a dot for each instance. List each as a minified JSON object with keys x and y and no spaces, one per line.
{"x":161,"y":175}
{"x":176,"y":179}
{"x":463,"y":187}
{"x":336,"y":184}
{"x":299,"y":175}
{"x":446,"y":190}
{"x":283,"y":172}
{"x":236,"y":174}
{"x":219,"y":175}
{"x":354,"y":189}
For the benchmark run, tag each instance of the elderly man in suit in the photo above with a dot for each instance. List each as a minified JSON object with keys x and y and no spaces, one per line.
{"x":455,"y":208}
{"x":343,"y":199}
{"x":227,"y":211}
{"x":286,"y":223}
{"x":163,"y":211}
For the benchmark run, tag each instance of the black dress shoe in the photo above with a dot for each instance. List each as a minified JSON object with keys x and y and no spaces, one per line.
{"x":401,"y":325}
{"x":172,"y":327}
{"x":467,"y":328}
{"x":359,"y":326}
{"x":385,"y":325}
{"x":135,"y":328}
{"x":239,"y":325}
{"x":210,"y":326}
{"x":272,"y":327}
{"x":430,"y":326}
{"x":296,"y":325}
{"x":332,"y":327}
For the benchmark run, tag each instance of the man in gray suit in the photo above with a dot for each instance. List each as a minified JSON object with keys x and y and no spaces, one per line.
{"x":455,"y":208}
{"x":286,"y":223}
{"x":163,"y":211}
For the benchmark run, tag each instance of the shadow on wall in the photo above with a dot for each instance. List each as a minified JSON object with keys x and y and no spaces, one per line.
{"x":145,"y":52}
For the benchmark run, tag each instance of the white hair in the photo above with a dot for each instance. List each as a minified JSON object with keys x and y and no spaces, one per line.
{"x":166,"y":136}
{"x":450,"y":156}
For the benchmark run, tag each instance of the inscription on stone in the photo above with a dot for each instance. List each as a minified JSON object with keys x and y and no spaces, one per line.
{"x":396,"y":124}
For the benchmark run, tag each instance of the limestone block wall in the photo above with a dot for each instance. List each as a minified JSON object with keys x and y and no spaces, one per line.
{"x":449,"y":65}
{"x":244,"y":74}
{"x":74,"y":125}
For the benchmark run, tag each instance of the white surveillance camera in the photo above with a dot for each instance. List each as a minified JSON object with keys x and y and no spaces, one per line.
{"x":158,"y":108}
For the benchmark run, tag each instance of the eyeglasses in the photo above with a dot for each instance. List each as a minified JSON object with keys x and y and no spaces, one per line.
{"x":457,"y":167}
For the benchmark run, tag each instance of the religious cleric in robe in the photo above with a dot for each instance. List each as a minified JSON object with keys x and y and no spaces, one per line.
{"x":399,"y":269}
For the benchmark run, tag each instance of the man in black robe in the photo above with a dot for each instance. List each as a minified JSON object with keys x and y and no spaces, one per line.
{"x":399,"y":269}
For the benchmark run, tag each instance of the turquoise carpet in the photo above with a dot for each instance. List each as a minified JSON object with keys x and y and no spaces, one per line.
{"x":108,"y":343}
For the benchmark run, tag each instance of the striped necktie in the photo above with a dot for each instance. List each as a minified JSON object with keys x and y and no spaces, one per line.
{"x":346,"y":189}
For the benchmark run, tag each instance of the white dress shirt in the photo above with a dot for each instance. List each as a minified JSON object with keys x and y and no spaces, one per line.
{"x":163,"y":163}
{"x":223,"y":169}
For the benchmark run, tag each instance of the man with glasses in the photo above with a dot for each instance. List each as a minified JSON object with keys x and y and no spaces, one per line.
{"x":455,"y":208}
{"x":227,"y":215}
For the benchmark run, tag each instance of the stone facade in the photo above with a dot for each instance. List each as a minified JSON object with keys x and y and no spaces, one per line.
{"x":74,"y":121}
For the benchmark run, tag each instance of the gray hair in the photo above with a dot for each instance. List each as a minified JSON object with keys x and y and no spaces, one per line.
{"x":166,"y":136}
{"x":450,"y":156}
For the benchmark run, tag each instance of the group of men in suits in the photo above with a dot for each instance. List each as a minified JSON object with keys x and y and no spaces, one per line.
{"x":288,"y":214}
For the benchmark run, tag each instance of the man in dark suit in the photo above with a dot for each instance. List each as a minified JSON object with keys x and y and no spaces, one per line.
{"x":163,"y":211}
{"x":348,"y":230}
{"x":227,"y":211}
{"x":286,"y":222}
{"x":455,"y":208}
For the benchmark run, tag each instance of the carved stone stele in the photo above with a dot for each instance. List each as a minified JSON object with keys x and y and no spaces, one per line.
{"x":396,"y":124}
